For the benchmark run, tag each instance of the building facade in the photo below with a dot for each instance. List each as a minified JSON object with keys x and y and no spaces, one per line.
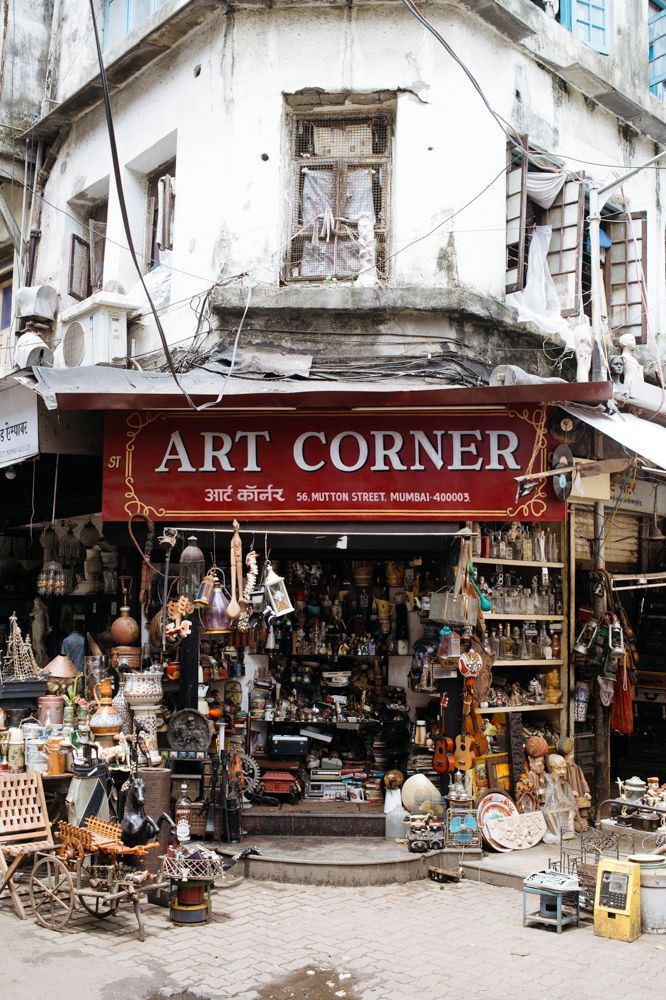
{"x":335,"y":165}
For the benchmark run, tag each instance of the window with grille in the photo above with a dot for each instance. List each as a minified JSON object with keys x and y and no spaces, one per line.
{"x":588,"y":20}
{"x":340,"y":220}
{"x":161,"y":207}
{"x":657,"y":48}
{"x":86,"y":255}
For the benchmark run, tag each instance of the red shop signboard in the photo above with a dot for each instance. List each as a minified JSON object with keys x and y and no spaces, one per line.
{"x":393,"y":465}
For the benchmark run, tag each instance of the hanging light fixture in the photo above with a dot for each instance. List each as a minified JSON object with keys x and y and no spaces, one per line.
{"x":191,"y":569}
{"x":69,"y":548}
{"x":276,"y":592}
{"x":48,"y":538}
{"x":205,"y":591}
{"x":89,"y":535}
{"x":61,"y":668}
{"x":214,"y":618}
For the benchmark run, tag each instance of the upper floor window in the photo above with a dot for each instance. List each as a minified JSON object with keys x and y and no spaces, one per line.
{"x":161,"y":209}
{"x":339,"y":177}
{"x":122,"y":16}
{"x":6,"y":265}
{"x":588,"y":20}
{"x":86,"y":253}
{"x":657,"y":47}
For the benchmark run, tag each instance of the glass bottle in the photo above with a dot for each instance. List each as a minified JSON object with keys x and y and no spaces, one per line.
{"x":541,"y":641}
{"x":522,"y":649}
{"x":556,"y":642}
{"x":494,"y":547}
{"x":183,"y":815}
{"x":527,"y":544}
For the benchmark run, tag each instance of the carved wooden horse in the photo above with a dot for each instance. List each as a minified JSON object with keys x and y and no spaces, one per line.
{"x":137,"y":829}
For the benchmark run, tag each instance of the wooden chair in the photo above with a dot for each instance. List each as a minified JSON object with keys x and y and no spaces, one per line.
{"x":24,"y":827}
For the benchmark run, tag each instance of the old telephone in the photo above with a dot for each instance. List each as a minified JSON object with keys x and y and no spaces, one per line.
{"x":617,"y":900}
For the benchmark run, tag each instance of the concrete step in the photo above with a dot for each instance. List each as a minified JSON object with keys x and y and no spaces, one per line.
{"x":338,"y":860}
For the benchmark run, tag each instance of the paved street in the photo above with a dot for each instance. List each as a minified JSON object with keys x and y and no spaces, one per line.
{"x":269,"y":941}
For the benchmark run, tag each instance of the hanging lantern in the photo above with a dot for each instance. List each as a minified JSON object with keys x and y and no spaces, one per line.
{"x":276,"y":592}
{"x":51,"y":581}
{"x":48,"y":538}
{"x":214,"y":618}
{"x":69,"y":548}
{"x":191,"y":571}
{"x":205,"y":591}
{"x":89,"y":535}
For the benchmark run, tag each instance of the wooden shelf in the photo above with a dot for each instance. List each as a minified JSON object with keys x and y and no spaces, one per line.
{"x":527,"y":663}
{"x":494,"y":616}
{"x":505,"y":709}
{"x":489,"y":561}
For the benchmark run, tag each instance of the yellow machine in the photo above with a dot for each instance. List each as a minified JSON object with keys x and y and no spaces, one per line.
{"x":617,"y":900}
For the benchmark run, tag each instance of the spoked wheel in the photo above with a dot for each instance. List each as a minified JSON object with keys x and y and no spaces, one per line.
{"x":99,"y":907}
{"x":71,"y":852}
{"x":52,"y":892}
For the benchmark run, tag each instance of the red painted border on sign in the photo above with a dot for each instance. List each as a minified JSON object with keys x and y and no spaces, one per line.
{"x":454,"y":464}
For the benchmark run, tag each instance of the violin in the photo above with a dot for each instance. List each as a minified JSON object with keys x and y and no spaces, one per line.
{"x":473,"y":724}
{"x":442,"y":760}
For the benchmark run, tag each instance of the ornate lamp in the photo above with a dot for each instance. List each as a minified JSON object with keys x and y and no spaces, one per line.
{"x":276,"y":592}
{"x":214,"y":618}
{"x":191,"y":571}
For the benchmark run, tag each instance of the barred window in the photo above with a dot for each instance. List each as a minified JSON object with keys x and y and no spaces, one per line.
{"x":340,"y":170}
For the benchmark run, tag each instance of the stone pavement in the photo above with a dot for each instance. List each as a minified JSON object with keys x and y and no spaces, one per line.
{"x":269,"y":941}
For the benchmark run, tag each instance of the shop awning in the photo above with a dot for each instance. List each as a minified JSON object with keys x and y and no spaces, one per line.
{"x":643,"y":437}
{"x":100,"y":388}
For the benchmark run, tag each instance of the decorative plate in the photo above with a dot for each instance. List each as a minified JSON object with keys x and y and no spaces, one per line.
{"x":518,"y":831}
{"x":494,"y":804}
{"x":188,"y":730}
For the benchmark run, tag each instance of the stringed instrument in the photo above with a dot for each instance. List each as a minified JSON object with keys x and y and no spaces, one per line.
{"x":474,"y":726}
{"x":463,"y":755}
{"x":442,"y":760}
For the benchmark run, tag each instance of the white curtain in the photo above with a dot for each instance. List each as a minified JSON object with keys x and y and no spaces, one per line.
{"x":538,"y":302}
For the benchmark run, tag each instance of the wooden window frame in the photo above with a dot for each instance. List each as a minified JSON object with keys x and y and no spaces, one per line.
{"x":559,"y":252}
{"x":151,"y":259}
{"x":521,"y":265}
{"x":608,"y":275}
{"x":380,"y":161}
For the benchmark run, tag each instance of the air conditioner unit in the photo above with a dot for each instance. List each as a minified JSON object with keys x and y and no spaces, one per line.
{"x":94,"y":332}
{"x":31,"y":351}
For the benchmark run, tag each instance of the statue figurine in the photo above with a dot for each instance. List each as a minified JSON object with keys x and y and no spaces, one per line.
{"x":531,"y":786}
{"x":560,"y":810}
{"x":39,"y":629}
{"x":576,"y":779}
{"x":583,"y":349}
{"x":632,"y":369}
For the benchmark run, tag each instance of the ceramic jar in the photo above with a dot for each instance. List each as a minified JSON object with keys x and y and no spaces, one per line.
{"x":125,"y":629}
{"x":143,"y":689}
{"x":50,"y":709}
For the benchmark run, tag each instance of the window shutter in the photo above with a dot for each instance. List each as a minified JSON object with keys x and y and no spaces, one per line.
{"x":565,"y":256}
{"x":657,"y":67}
{"x":590,"y":23}
{"x":516,"y":203}
{"x":624,"y":273}
{"x":166,"y":203}
{"x":97,"y":232}
{"x":79,"y":268}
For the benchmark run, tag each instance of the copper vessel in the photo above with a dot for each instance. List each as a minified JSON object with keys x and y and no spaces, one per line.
{"x":125,"y":629}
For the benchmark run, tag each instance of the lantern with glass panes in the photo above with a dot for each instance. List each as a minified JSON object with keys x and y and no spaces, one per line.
{"x":191,"y":570}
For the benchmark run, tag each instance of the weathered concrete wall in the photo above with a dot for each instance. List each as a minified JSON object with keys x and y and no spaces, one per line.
{"x":25,"y":27}
{"x":216,"y":102}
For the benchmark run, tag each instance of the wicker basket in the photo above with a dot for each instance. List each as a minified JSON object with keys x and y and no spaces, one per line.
{"x":190,"y":868}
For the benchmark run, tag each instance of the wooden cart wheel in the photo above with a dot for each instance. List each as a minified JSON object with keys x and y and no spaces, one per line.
{"x":98,"y":906}
{"x":71,"y":852}
{"x":52,"y":892}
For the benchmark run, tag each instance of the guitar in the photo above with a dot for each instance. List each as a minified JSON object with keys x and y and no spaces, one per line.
{"x":463,"y":755}
{"x":442,"y":760}
{"x":473,"y":724}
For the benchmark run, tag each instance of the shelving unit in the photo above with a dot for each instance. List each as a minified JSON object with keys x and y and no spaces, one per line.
{"x":488,"y":561}
{"x":528,"y":663}
{"x":506,"y":709}
{"x":497,"y":617}
{"x":557,"y":569}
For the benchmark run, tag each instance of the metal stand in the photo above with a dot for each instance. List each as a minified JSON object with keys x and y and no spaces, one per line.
{"x":551,"y":908}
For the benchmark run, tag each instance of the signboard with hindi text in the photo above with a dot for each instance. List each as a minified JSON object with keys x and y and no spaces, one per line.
{"x":445,"y":464}
{"x":19,"y":432}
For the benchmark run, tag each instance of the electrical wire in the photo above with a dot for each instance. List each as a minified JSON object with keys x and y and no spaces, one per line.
{"x":216,"y":402}
{"x":123,"y":205}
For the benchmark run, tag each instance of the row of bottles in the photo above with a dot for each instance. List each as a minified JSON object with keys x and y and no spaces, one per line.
{"x":512,"y":598}
{"x":524,"y":642}
{"x":527,"y":542}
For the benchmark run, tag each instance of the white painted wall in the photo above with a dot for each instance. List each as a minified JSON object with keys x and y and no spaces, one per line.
{"x":230,"y":215}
